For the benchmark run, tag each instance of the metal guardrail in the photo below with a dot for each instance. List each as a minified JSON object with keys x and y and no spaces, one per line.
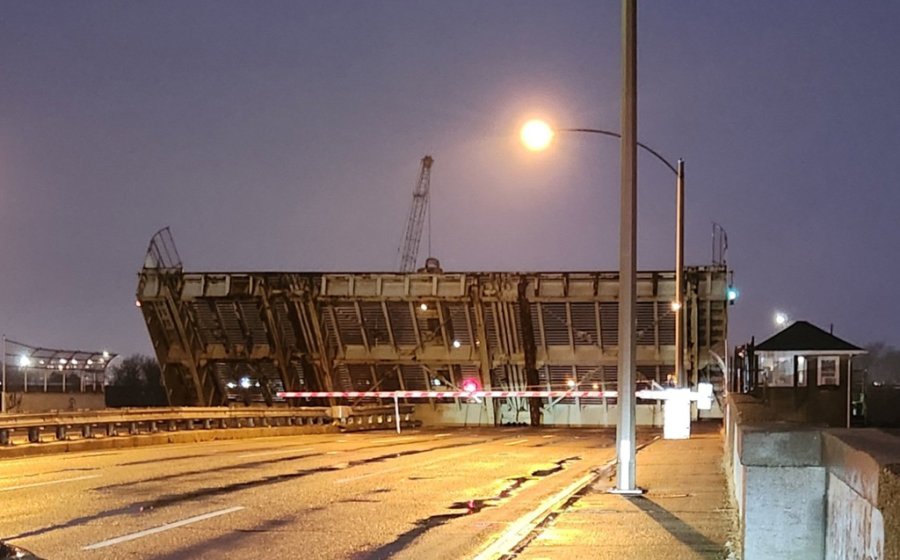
{"x":128,"y":421}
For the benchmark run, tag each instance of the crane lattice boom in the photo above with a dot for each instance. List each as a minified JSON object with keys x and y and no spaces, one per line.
{"x":409,"y":250}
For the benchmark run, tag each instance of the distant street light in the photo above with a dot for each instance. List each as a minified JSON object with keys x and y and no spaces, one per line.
{"x":781,"y":319}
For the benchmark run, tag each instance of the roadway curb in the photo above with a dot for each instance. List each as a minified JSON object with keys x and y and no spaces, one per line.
{"x":521,"y":531}
{"x":161,"y":438}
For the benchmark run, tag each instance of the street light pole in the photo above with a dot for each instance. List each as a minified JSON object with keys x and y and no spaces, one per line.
{"x":625,"y":430}
{"x":678,"y":305}
{"x":3,"y":392}
{"x":537,"y":137}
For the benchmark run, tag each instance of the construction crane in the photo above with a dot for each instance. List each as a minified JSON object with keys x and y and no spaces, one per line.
{"x":409,"y":250}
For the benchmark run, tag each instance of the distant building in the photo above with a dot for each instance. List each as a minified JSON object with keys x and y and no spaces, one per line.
{"x":38,"y":379}
{"x":802,"y":373}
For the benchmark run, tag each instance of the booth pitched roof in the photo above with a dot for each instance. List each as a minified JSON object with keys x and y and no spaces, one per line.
{"x":803,"y":335}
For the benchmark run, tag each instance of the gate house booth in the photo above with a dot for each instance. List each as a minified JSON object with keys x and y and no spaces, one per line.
{"x":803,"y":373}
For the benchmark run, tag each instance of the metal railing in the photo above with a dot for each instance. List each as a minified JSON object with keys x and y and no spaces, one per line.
{"x":131,"y":422}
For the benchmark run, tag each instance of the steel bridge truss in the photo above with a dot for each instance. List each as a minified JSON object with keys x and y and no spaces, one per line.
{"x":247,"y":336}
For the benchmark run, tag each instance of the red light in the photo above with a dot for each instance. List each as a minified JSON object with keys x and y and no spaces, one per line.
{"x":471,"y":384}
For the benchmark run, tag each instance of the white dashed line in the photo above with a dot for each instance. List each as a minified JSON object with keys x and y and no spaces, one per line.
{"x":49,"y":482}
{"x":275,"y":452}
{"x":391,"y":440}
{"x":360,"y":477}
{"x":161,"y":528}
{"x":517,"y":442}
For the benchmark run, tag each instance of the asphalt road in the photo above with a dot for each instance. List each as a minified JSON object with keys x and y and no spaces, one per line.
{"x":422,"y":494}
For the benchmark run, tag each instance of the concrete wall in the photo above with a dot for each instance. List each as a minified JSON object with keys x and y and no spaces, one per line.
{"x":482,"y":414}
{"x":855,"y":528}
{"x":864,"y":494}
{"x":18,"y":403}
{"x":805,"y":492}
{"x":783,"y":493}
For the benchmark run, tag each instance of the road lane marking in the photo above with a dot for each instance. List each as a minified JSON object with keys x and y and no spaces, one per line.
{"x":392,"y":439}
{"x":275,"y":452}
{"x":443,"y":435}
{"x":517,"y":442}
{"x":161,"y":528}
{"x":97,"y":454}
{"x":49,"y":482}
{"x":359,"y":477}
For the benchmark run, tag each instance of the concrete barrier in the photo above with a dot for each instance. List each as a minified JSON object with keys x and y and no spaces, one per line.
{"x":483,"y":414}
{"x":161,"y":438}
{"x":783,"y":492}
{"x":122,"y":428}
{"x":863,"y":516}
{"x":807,"y":492}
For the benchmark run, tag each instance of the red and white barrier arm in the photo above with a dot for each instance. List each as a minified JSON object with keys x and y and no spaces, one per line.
{"x":663,"y":394}
{"x":442,"y":394}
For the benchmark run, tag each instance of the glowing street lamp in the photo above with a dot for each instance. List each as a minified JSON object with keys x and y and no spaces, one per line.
{"x":781,"y":318}
{"x":537,"y":135}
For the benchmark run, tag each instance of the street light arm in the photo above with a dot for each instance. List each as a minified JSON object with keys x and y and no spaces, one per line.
{"x":653,"y":152}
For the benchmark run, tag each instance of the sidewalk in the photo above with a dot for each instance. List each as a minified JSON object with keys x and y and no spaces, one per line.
{"x":683,"y":514}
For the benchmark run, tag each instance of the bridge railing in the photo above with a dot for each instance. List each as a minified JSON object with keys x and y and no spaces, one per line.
{"x":107,"y":423}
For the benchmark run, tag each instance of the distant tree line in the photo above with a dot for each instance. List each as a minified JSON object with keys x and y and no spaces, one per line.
{"x":881,"y":389}
{"x":136,"y":381}
{"x":881,"y":364}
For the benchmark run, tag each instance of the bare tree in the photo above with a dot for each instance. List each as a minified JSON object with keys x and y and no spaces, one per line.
{"x":882,"y":363}
{"x":136,"y":381}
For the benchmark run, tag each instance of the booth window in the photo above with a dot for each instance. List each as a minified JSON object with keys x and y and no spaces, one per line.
{"x":828,"y":371}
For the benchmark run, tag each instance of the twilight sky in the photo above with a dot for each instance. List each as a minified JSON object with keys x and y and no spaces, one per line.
{"x":287,"y":136}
